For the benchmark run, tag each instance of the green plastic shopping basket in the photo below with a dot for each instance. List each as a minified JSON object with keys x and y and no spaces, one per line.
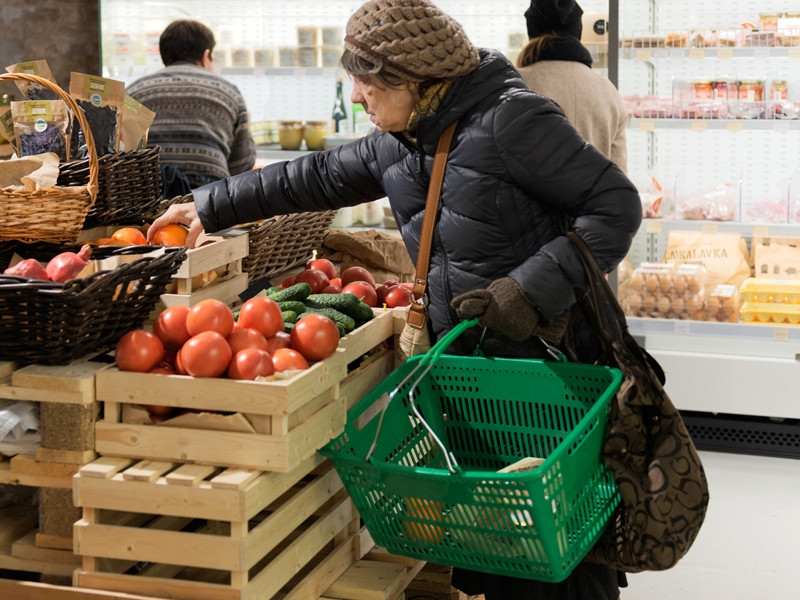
{"x":419,"y":456}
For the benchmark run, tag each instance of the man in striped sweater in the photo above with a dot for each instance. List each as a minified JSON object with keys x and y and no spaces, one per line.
{"x":201,"y":121}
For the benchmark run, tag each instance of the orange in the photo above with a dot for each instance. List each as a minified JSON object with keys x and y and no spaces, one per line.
{"x":171,"y":234}
{"x":129,"y":235}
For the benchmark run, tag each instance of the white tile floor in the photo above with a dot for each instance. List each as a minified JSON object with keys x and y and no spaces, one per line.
{"x":749,"y":546}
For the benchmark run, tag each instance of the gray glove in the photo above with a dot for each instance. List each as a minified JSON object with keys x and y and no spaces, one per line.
{"x":505,"y":308}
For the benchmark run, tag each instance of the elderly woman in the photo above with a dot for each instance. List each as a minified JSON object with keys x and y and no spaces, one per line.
{"x":518,"y":176}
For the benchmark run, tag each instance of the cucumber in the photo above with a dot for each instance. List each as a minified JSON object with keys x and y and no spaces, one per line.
{"x":293,"y":305}
{"x":345,"y":303}
{"x":298,"y":291}
{"x":289,"y":316}
{"x":348,"y":323}
{"x":363,"y":313}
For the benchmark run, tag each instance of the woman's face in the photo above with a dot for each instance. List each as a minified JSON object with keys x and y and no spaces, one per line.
{"x":389,"y":108}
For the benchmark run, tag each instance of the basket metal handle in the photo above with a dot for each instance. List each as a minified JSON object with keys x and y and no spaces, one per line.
{"x":425,"y":364}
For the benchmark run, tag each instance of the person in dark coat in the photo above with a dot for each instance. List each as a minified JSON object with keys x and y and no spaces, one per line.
{"x":518,"y":177}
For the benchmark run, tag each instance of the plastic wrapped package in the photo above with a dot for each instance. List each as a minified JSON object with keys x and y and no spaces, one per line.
{"x":662,"y":290}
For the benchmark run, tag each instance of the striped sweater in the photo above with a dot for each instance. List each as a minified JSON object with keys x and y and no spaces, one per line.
{"x":201,"y":121}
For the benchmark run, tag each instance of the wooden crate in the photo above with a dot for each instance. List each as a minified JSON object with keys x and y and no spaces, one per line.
{"x":210,"y":271}
{"x":292,"y":418}
{"x":198,"y":532}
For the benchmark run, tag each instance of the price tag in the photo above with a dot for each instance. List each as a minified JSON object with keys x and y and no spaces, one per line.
{"x":653,"y":226}
{"x":710,"y":228}
{"x":734,"y":126}
{"x":780,"y":333}
{"x":761,"y":231}
{"x":647,"y":125}
{"x":697,"y":53}
{"x":644,"y":54}
{"x":724,"y":53}
{"x":699,"y":125}
{"x":794,"y":52}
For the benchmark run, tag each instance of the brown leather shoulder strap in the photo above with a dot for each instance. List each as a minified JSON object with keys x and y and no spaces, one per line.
{"x":416,"y":313}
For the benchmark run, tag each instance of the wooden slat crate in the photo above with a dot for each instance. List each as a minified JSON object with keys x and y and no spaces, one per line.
{"x":198,"y":532}
{"x":292,"y":417}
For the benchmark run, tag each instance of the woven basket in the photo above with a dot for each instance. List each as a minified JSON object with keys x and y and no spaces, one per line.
{"x":283,"y":242}
{"x":55,"y":214}
{"x":55,"y":323}
{"x":129,"y":185}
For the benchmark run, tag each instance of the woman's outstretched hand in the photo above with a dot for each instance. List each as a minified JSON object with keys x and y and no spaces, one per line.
{"x":184,"y":214}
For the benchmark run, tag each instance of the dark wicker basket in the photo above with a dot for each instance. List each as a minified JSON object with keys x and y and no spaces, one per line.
{"x":56,"y":323}
{"x":129,"y":186}
{"x":283,"y":242}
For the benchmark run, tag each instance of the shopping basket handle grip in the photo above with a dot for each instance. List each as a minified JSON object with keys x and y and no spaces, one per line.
{"x":447,"y":339}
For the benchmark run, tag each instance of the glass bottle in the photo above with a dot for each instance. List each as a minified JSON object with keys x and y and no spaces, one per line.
{"x":339,"y":113}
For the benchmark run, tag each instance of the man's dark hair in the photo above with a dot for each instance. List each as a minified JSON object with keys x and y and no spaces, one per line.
{"x":185,"y":40}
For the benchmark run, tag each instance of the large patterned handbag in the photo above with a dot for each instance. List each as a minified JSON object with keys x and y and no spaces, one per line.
{"x":647,"y":448}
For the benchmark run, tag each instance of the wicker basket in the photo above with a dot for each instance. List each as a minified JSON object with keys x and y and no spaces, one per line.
{"x":129,"y":186}
{"x":55,"y":214}
{"x":56,"y":323}
{"x":283,"y":242}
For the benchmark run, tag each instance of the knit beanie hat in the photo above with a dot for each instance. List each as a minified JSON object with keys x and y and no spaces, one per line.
{"x":562,"y":17}
{"x":413,"y":38}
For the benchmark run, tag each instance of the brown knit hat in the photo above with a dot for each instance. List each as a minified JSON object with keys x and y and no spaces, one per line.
{"x":413,"y":38}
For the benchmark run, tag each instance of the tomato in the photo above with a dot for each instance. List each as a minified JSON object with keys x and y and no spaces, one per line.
{"x":247,"y":337}
{"x":138,"y":350}
{"x":206,"y":354}
{"x":251,"y":363}
{"x":210,"y":315}
{"x":363,"y":291}
{"x":324,"y":265}
{"x":157,"y":409}
{"x":287,"y":282}
{"x":336,"y":281}
{"x":129,"y":235}
{"x":397,"y":296}
{"x":170,"y":326}
{"x":380,"y":291}
{"x":280,"y":340}
{"x":289,"y":359}
{"x":262,"y":314}
{"x":332,"y":289}
{"x":357,"y":274}
{"x":316,"y":279}
{"x":171,"y":234}
{"x":315,"y":337}
{"x":162,"y":370}
{"x":179,"y":368}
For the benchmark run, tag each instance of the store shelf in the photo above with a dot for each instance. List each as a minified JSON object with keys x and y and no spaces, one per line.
{"x":649,"y":54}
{"x":732,"y":125}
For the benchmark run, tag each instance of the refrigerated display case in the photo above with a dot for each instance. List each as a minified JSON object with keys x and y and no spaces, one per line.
{"x":692,"y":141}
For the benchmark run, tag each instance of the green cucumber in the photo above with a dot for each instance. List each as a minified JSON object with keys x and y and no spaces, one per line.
{"x":298,"y":291}
{"x":289,"y":316}
{"x":293,"y":305}
{"x":363,"y":313}
{"x":345,"y":303}
{"x":348,"y":323}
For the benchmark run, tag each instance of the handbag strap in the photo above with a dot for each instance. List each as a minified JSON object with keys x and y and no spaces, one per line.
{"x":600,"y":288}
{"x":416,"y":312}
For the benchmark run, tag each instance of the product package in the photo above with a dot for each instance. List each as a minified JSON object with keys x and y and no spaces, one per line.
{"x":102,"y":101}
{"x":136,"y":121}
{"x":7,"y":127}
{"x":41,"y":126}
{"x":29,"y":89}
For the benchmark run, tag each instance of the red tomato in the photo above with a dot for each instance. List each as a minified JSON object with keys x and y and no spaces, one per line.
{"x":315,"y":337}
{"x":332,"y":289}
{"x":262,"y":314}
{"x":408,"y":285}
{"x":289,"y":359}
{"x":357,"y":274}
{"x":397,"y":296}
{"x":246,"y":337}
{"x":157,"y":409}
{"x":210,"y":315}
{"x":316,"y":279}
{"x":280,"y":340}
{"x":336,"y":281}
{"x":206,"y":354}
{"x":363,"y":291}
{"x":251,"y":363}
{"x":324,"y":265}
{"x":380,"y":291}
{"x":170,"y":326}
{"x":287,"y":282}
{"x":139,"y":350}
{"x":162,"y":369}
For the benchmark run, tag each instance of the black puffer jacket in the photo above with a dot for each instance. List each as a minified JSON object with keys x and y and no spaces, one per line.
{"x":518,"y":174}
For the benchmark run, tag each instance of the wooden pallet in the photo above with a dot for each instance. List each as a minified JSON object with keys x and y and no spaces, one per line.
{"x":290,"y":418}
{"x":204,"y":533}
